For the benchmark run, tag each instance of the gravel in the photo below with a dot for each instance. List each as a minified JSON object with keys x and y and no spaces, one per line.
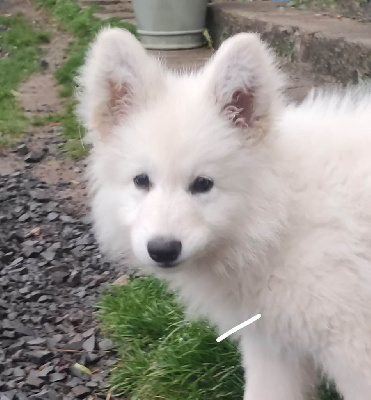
{"x":51,"y":275}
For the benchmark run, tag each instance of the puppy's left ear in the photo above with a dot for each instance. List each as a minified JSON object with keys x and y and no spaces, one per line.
{"x":245,"y":83}
{"x":117,"y":79}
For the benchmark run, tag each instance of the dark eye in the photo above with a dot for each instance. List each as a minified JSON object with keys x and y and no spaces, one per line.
{"x":201,"y":185}
{"x":142,"y":181}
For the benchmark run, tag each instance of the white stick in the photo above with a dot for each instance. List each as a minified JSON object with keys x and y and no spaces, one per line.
{"x":238,"y":327}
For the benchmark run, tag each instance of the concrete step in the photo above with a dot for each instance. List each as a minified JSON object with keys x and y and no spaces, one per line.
{"x":105,"y":3}
{"x":338,"y":47}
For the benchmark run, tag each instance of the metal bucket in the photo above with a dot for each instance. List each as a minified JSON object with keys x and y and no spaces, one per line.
{"x":171,"y":24}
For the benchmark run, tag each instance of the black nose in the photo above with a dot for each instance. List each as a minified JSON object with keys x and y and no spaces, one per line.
{"x":163,"y":250}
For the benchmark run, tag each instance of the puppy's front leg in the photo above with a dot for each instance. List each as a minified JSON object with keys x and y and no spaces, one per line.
{"x":274,"y":374}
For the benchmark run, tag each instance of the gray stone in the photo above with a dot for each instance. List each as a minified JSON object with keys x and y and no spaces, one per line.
{"x":57,"y":377}
{"x":81,"y":391}
{"x":35,"y":156}
{"x":48,"y":255}
{"x":22,"y":149}
{"x":105,"y":344}
{"x":52,"y":216}
{"x":24,"y":330}
{"x":39,"y":357}
{"x":34,"y":381}
{"x":89,"y":344}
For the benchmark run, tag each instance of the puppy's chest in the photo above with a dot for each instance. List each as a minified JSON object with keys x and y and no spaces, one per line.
{"x":224,"y":301}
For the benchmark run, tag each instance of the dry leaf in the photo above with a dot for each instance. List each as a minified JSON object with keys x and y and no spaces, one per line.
{"x":15,"y":93}
{"x":122,"y":280}
{"x":35,"y":231}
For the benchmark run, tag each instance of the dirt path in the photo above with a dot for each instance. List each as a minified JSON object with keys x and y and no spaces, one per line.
{"x":39,"y":97}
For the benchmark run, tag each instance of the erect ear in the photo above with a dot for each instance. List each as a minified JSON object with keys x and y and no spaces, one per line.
{"x":246,"y":84}
{"x":117,"y":77}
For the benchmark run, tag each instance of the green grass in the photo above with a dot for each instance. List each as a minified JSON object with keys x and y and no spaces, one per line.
{"x":19,"y":38}
{"x":162,"y":356}
{"x":83,"y":26}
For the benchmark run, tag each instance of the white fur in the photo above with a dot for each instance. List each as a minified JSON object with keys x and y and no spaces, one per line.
{"x":286,"y":229}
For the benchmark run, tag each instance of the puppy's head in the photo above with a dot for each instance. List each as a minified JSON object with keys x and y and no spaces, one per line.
{"x":174,"y":158}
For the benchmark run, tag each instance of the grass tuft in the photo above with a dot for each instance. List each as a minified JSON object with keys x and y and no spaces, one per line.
{"x":163,"y":356}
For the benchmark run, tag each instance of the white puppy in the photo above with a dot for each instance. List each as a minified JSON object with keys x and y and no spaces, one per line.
{"x":245,"y":205}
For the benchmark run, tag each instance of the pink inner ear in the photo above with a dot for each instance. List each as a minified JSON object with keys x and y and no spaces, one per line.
{"x":118,"y":94}
{"x":242,"y":105}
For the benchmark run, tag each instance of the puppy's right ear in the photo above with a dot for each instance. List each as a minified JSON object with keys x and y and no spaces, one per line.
{"x":245,"y":83}
{"x":117,"y":77}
